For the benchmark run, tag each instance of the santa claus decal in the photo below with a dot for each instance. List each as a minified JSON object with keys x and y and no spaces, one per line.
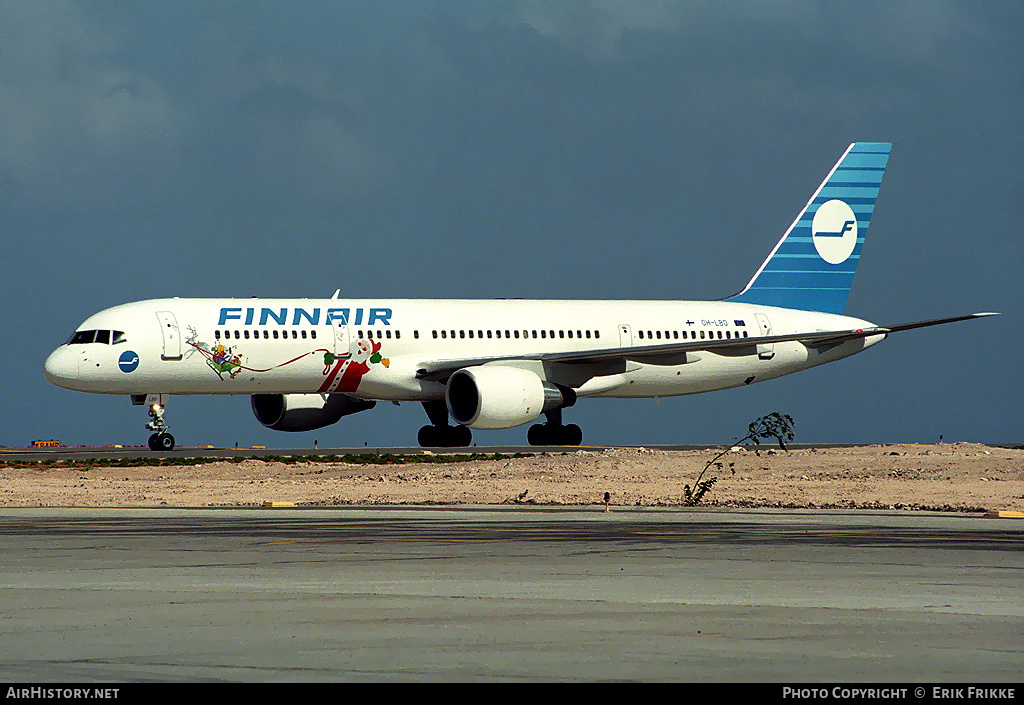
{"x":344,"y":373}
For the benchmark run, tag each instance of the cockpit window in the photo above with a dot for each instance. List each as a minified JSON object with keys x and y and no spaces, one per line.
{"x":82,"y":336}
{"x":105,"y":337}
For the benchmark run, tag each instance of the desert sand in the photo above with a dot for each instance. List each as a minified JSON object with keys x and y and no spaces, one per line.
{"x":965,"y":477}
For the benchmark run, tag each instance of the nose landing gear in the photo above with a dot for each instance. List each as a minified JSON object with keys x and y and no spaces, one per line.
{"x":161,"y":440}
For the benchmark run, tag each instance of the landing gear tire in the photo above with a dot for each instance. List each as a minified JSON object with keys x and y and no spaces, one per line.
{"x":549,"y":434}
{"x":573,"y":435}
{"x":444,"y":436}
{"x":161,"y":441}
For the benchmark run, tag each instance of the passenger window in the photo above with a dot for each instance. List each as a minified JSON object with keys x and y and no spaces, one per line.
{"x":561,"y":334}
{"x":516,"y":332}
{"x":246,"y":333}
{"x":277,"y":334}
{"x":303,"y":334}
{"x":597,"y":334}
{"x":588,"y":333}
{"x":295,"y":335}
{"x":266,"y":334}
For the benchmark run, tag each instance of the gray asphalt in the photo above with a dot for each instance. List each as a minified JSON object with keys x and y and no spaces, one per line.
{"x":511,"y":593}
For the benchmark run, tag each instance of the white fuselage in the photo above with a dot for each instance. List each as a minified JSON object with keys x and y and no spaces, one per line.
{"x":374,"y":349}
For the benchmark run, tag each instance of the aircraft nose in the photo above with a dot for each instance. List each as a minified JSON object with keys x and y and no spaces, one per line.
{"x":61,"y":367}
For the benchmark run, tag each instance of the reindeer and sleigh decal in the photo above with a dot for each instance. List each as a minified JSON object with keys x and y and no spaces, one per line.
{"x":342,"y":373}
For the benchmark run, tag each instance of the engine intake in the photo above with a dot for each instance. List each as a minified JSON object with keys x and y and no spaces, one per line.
{"x":490,"y":397}
{"x":304,"y":412}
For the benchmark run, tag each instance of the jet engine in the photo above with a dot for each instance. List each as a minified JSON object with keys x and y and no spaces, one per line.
{"x":304,"y":412}
{"x":501,"y":397}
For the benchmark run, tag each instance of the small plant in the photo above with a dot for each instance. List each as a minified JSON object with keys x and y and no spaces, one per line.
{"x":773,"y":425}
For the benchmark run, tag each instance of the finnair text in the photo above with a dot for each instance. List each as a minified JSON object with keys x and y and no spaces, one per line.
{"x":298,"y":316}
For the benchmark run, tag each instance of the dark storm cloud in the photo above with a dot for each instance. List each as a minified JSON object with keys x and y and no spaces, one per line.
{"x":539,"y":149}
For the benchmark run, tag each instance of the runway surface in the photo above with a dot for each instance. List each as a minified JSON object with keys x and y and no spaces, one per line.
{"x":517,"y":593}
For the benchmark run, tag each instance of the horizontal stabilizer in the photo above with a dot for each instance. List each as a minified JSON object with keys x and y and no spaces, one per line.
{"x":938,"y":321}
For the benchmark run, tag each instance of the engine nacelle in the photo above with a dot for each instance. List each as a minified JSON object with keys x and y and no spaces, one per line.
{"x":491,"y":397}
{"x":304,"y":412}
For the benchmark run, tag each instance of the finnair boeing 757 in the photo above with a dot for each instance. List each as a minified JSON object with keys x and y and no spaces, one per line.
{"x":494,"y":364}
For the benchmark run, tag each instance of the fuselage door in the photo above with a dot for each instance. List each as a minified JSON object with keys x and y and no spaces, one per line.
{"x":171,"y":335}
{"x":765,"y":351}
{"x":341,"y":340}
{"x":625,"y":336}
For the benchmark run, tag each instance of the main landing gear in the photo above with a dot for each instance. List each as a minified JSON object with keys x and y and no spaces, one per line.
{"x":441,"y":434}
{"x":554,"y":433}
{"x":161,"y":440}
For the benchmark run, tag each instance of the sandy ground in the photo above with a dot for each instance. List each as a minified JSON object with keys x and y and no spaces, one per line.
{"x":952,"y":477}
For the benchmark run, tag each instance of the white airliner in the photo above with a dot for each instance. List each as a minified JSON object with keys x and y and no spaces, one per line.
{"x":494,"y":364}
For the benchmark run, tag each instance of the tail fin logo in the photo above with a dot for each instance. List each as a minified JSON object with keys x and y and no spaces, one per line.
{"x":834,"y":231}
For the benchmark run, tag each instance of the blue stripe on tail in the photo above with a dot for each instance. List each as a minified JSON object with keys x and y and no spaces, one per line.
{"x":812,"y":266}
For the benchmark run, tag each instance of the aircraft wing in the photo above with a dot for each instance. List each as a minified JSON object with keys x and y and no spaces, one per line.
{"x":677,"y":353}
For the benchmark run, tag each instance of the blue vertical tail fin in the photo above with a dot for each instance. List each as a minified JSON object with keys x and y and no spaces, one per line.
{"x":812,"y":266}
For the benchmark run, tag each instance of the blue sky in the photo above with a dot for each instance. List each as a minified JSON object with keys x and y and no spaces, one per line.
{"x":605,"y":149}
